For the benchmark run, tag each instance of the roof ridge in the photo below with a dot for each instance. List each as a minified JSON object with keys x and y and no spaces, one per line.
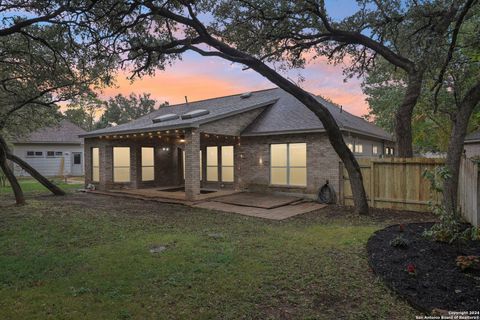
{"x":215,"y":98}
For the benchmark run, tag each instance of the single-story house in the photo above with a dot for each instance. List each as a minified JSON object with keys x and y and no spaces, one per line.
{"x":472,"y":145}
{"x":52,"y":151}
{"x":259,"y":141}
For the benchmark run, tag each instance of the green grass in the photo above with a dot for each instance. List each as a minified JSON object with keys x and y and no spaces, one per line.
{"x":31,"y":185}
{"x":87,"y":257}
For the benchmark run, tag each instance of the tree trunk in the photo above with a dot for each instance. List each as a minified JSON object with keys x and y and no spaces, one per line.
{"x":34,"y":173}
{"x":403,"y":116}
{"x":17,"y":190}
{"x":455,"y":146}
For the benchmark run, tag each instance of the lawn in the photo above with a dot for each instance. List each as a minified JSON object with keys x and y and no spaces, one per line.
{"x":87,"y":256}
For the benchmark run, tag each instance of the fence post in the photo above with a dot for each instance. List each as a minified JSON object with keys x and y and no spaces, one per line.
{"x":372,"y":183}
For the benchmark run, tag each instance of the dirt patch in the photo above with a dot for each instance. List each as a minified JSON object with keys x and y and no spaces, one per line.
{"x":437,"y":282}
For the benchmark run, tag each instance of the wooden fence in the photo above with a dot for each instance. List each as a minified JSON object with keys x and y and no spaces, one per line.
{"x":393,"y":183}
{"x":398,"y":183}
{"x":468,"y":191}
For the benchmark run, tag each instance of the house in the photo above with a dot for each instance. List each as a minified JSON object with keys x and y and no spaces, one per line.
{"x":472,"y":145}
{"x":52,"y":151}
{"x":265,"y":140}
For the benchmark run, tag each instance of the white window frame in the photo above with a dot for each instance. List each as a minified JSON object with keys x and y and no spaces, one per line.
{"x":148,"y":166}
{"x":358,"y":148}
{"x":350,"y":146}
{"x":222,"y":165}
{"x":288,"y":167}
{"x":122,"y":167}
{"x":211,"y":166}
{"x":374,"y":149}
{"x":95,"y":167}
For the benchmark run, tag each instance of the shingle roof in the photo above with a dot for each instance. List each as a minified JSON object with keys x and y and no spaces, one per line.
{"x":285,"y":114}
{"x":218,"y":108}
{"x":473,"y":137}
{"x":65,"y":133}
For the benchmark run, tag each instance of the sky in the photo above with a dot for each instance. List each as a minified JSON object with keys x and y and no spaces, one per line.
{"x":200,"y":77}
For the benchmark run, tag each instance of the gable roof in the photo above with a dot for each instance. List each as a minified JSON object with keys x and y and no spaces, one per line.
{"x":283,"y":114}
{"x":64,"y":133}
{"x":473,"y":137}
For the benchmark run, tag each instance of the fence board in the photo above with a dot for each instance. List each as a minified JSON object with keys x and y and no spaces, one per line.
{"x":394,"y":183}
{"x":398,"y":183}
{"x":468,"y":191}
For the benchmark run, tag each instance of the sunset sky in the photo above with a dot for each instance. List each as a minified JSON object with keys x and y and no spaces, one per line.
{"x":200,"y":77}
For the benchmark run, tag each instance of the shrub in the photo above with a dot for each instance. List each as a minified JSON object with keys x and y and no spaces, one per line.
{"x":468,"y":262}
{"x":449,"y":228}
{"x":399,"y":242}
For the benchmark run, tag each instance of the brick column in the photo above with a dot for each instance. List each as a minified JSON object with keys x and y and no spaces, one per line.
{"x":192,"y":164}
{"x":135,"y":166}
{"x":106,"y":166}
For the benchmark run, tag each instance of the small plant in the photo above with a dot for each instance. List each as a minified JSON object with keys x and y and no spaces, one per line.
{"x":450,"y":227}
{"x":468,"y":262}
{"x":399,"y":242}
{"x":411,"y":269}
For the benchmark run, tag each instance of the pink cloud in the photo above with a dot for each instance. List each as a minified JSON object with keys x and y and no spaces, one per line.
{"x":202,"y":78}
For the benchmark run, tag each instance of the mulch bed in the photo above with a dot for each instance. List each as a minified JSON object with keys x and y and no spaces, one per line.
{"x":438,"y":282}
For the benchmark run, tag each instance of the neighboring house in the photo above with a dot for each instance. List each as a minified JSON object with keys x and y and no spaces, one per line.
{"x":52,"y":151}
{"x":266,"y":140}
{"x":472,"y":145}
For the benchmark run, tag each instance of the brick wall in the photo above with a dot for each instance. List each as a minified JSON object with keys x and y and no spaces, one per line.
{"x":254,"y":158}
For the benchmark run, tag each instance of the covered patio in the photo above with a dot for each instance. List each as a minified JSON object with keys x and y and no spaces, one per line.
{"x":182,"y":164}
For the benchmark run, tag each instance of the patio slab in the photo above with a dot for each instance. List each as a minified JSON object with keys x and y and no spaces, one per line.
{"x":258,"y":200}
{"x":279,"y":213}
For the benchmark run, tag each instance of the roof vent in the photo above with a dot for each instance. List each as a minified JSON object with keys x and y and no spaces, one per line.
{"x":195,"y":114}
{"x":165,"y":117}
{"x":246,"y":95}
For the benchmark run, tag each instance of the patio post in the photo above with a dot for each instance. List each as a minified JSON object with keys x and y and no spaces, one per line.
{"x":192,"y":164}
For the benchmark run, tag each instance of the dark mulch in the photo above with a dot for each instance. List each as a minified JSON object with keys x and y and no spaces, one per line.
{"x":438,"y":283}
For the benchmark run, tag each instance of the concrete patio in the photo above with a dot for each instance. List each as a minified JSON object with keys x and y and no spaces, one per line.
{"x":260,"y":205}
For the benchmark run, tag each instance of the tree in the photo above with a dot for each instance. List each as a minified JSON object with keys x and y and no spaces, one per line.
{"x":450,"y":96}
{"x":159,"y":32}
{"x":44,"y":59}
{"x":83,"y":111}
{"x":409,"y":35}
{"x":121,"y":109}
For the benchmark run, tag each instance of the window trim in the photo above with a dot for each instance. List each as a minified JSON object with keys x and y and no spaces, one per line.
{"x":147,"y":166}
{"x":288,"y":167}
{"x":360,"y":147}
{"x":95,"y":167}
{"x":211,"y":166}
{"x":225,"y":166}
{"x":129,"y":167}
{"x":374,"y":149}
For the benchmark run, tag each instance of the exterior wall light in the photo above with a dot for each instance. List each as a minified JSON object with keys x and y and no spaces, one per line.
{"x":260,"y":161}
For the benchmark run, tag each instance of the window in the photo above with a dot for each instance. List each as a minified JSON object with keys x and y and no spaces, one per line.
{"x":227,"y":164}
{"x":95,"y":164}
{"x":77,"y":158}
{"x":37,"y":153}
{"x":50,"y":154}
{"x":350,"y":146}
{"x":183,"y":159}
{"x":389,"y":151}
{"x":121,"y":164}
{"x":30,"y":154}
{"x":148,"y":172}
{"x":375,"y":150}
{"x":59,"y":154}
{"x":358,"y":148}
{"x":288,"y":164}
{"x":212,"y":164}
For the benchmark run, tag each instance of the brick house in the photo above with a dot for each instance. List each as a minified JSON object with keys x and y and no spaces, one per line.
{"x":260,"y":141}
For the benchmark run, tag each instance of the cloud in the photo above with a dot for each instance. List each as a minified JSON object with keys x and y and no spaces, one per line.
{"x":201,"y":78}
